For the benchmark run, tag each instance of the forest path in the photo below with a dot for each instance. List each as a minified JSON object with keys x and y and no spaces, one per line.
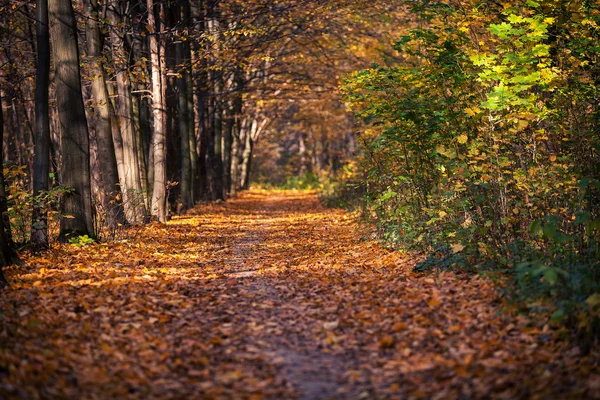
{"x":269,"y":295}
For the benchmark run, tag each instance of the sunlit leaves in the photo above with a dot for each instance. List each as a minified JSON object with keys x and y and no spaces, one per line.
{"x":261,"y":297}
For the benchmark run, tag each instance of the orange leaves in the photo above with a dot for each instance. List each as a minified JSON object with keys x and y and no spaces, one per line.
{"x":386,"y":342}
{"x":266,"y":297}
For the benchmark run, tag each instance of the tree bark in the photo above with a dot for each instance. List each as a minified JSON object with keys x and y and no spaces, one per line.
{"x":185,"y":179}
{"x":215,"y":114}
{"x":7,"y":252}
{"x":157,"y":57}
{"x":109,"y":190}
{"x":126,"y":140}
{"x":78,"y":217}
{"x":234,"y":182}
{"x":41,"y":154}
{"x":247,"y":159}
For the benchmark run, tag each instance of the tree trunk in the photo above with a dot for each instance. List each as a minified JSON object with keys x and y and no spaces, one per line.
{"x":125,"y":137}
{"x":227,"y":146}
{"x":41,"y":155}
{"x":78,"y":218}
{"x":247,"y":160}
{"x":108,"y":185}
{"x":251,"y":136}
{"x":236,"y":136}
{"x":215,"y":110}
{"x":185,"y":179}
{"x":157,"y":57}
{"x":7,"y":252}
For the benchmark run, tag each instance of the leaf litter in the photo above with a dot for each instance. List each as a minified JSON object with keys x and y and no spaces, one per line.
{"x":269,"y":295}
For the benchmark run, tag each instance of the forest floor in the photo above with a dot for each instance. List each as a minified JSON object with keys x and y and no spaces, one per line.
{"x":268,"y":295}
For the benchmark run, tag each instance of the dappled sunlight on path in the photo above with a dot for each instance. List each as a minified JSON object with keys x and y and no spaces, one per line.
{"x":269,"y":295}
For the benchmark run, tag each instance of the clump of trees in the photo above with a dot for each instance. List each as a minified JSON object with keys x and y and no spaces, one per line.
{"x":482,"y":144}
{"x":139,"y":109}
{"x":121,"y":112}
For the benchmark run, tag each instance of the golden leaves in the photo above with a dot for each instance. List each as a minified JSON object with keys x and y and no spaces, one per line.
{"x":462,"y":139}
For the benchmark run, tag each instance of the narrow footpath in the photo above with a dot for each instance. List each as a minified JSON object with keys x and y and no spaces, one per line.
{"x":268,"y":296}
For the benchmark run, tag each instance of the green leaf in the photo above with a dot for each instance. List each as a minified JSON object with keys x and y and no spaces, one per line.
{"x":551,"y":276}
{"x":535,"y":229}
{"x":558,"y":316}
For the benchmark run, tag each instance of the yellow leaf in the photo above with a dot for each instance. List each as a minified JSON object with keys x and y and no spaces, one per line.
{"x":462,"y":139}
{"x":552,"y":158}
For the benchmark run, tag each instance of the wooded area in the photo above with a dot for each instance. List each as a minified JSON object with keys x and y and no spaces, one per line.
{"x":464,"y":133}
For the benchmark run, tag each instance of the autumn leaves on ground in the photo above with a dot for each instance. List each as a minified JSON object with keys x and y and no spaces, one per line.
{"x":269,"y":295}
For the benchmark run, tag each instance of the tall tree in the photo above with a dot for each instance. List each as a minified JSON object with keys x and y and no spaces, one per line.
{"x":159,"y":83}
{"x":77,"y":218}
{"x":108,"y":179}
{"x":126,"y":138}
{"x":186,"y":111}
{"x":41,"y":157}
{"x":7,"y":252}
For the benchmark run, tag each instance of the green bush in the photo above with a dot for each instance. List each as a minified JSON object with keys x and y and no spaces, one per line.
{"x":20,"y":202}
{"x":482,"y":147}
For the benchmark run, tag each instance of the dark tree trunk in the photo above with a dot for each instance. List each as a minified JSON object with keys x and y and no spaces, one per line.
{"x":78,"y":217}
{"x":41,"y":155}
{"x":7,"y":252}
{"x":186,"y":115}
{"x":215,"y":113}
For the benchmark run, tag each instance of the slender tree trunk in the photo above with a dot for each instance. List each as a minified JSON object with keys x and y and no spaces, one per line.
{"x":78,"y":214}
{"x":41,"y":155}
{"x":227,"y":145}
{"x":236,"y":147}
{"x":215,"y":113}
{"x":141,"y":130}
{"x":7,"y":253}
{"x":304,"y":164}
{"x":247,"y":160}
{"x":185,"y":179}
{"x":109,"y":189}
{"x":125,"y":141}
{"x":157,"y":57}
{"x":191,"y":136}
{"x":235,"y":158}
{"x":251,"y":136}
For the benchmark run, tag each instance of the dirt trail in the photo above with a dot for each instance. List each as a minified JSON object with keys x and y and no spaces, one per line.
{"x":268,"y":296}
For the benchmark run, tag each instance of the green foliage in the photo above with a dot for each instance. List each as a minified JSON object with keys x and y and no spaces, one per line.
{"x":482,"y":147}
{"x":306,"y":181}
{"x":20,"y":202}
{"x":346,"y":190}
{"x":81,"y":241}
